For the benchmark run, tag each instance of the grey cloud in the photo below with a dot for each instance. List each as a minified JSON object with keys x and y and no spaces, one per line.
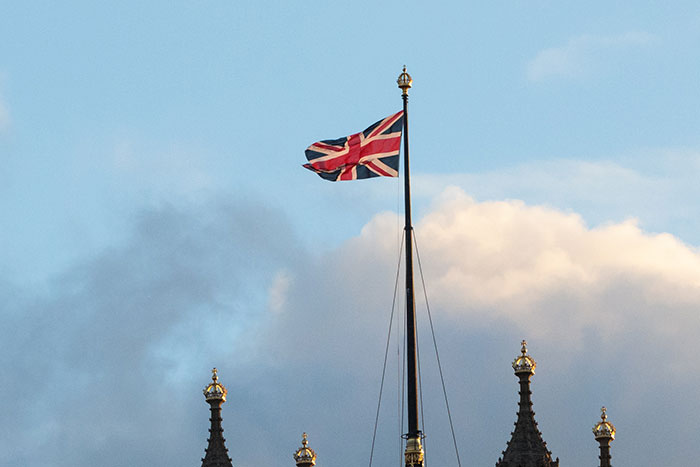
{"x":89,"y":358}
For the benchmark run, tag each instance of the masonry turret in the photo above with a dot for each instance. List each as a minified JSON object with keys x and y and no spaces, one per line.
{"x":216,"y":452}
{"x":526,"y":447}
{"x":604,"y":433}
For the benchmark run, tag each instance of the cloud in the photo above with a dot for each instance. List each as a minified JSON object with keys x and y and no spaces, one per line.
{"x":603,"y":306}
{"x":578,"y":56}
{"x":106,"y":346}
{"x":4,"y":115}
{"x":278,"y":291}
{"x":106,"y":364}
{"x":176,"y":170}
{"x":553,"y":277}
{"x":655,"y":186}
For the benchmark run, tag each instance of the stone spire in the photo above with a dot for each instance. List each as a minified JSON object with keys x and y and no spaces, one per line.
{"x":305,"y":456}
{"x":526,"y":447}
{"x":216,"y":452}
{"x":604,"y":433}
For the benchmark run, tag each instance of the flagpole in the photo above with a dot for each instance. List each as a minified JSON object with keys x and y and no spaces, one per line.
{"x":414,"y":450}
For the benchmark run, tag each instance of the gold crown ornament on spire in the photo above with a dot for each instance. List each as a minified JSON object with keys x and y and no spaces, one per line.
{"x":604,"y":429}
{"x":305,"y":456}
{"x":404,"y":81}
{"x":524,"y":363}
{"x":215,"y":390}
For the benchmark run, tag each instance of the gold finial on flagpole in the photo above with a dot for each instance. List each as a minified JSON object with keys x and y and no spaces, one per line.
{"x":404,"y":81}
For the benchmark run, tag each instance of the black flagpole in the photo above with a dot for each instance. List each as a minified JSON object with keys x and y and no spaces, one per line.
{"x":414,"y":451}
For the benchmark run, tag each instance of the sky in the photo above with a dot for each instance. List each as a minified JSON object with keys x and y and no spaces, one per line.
{"x":156,"y":222}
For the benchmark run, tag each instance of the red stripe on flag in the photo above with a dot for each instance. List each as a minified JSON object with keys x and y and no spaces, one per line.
{"x":386,"y":123}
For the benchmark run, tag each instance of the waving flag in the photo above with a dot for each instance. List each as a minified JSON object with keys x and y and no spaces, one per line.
{"x":371,"y":153}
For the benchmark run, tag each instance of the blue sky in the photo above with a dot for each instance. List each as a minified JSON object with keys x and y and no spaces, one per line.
{"x":156,"y":221}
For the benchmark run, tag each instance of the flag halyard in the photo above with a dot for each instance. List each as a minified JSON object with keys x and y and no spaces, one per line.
{"x":373,"y":152}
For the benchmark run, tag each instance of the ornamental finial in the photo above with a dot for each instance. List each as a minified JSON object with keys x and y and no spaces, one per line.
{"x":404,"y":81}
{"x":604,"y":430}
{"x":305,"y":456}
{"x":524,"y":363}
{"x":215,"y":391}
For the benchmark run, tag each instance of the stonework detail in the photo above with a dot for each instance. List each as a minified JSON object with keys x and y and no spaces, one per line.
{"x":526,"y":447}
{"x":216,"y":454}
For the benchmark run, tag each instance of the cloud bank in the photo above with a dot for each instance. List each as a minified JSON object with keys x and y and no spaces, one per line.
{"x":106,"y":365}
{"x":555,"y":278}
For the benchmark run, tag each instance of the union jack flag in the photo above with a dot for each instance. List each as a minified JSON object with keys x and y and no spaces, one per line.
{"x":371,"y":153}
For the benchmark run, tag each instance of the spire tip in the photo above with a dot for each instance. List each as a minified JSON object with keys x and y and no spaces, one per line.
{"x":404,"y":81}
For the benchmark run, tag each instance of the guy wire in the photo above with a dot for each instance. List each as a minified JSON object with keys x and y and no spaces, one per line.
{"x":437,"y":354}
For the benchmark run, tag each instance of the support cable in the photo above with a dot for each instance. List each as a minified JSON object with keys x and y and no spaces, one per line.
{"x":402,"y":383}
{"x":386,"y":353}
{"x":400,"y":344}
{"x":437,"y":354}
{"x":420,"y":395}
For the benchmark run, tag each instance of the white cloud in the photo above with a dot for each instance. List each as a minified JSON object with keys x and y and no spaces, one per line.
{"x":278,"y":291}
{"x":602,"y":307}
{"x":546,"y":273}
{"x":4,"y":115}
{"x":657,"y":187}
{"x":578,"y":56}
{"x":552,"y":276}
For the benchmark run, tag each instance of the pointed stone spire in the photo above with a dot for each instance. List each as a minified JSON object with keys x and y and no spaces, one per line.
{"x":526,"y":447}
{"x":604,"y":433}
{"x":305,"y":456}
{"x":216,"y":452}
